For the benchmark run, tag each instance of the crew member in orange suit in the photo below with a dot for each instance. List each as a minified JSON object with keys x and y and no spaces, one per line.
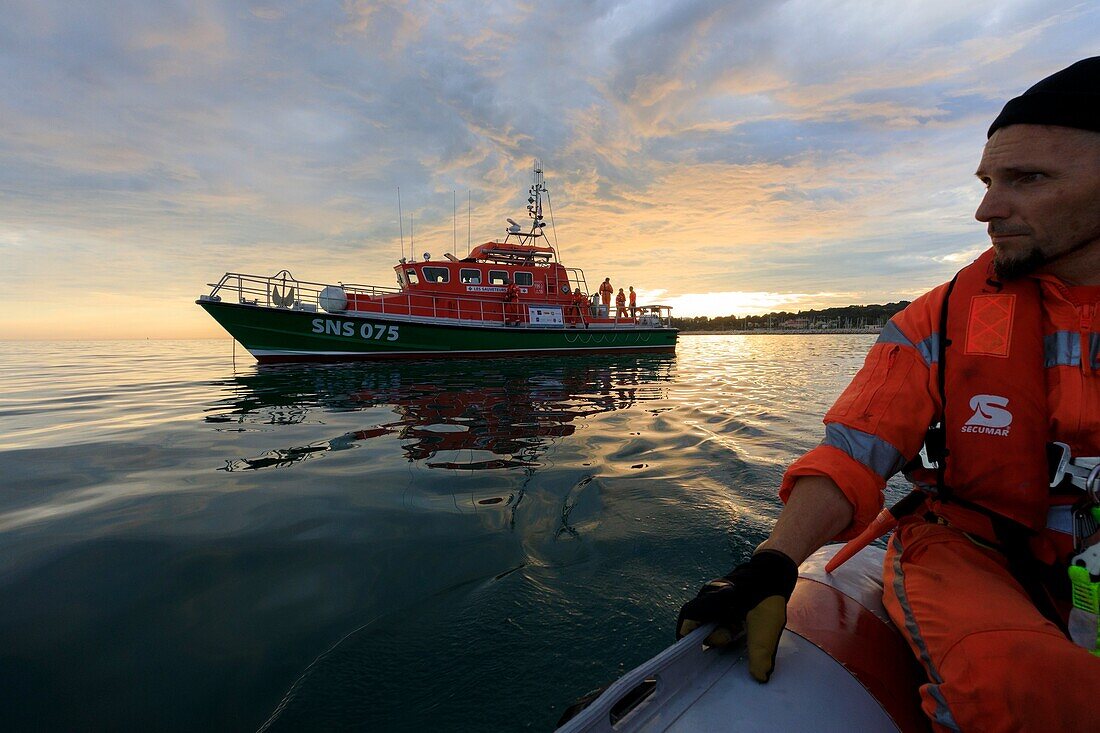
{"x":620,"y":304}
{"x":989,"y":367}
{"x":606,"y":289}
{"x":580,"y":302}
{"x":633,"y":302}
{"x":511,"y":305}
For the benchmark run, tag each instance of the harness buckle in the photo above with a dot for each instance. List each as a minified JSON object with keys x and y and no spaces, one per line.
{"x":1082,"y":472}
{"x":934,"y":449}
{"x":925,"y":460}
{"x":1058,"y":455}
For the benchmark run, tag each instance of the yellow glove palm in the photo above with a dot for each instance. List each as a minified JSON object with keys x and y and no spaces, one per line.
{"x":753,"y":597}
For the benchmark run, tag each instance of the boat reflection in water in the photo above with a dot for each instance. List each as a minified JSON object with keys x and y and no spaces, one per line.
{"x":461,"y":416}
{"x":449,"y":503}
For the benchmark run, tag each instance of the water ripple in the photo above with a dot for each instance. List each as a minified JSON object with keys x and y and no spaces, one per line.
{"x":192,"y":543}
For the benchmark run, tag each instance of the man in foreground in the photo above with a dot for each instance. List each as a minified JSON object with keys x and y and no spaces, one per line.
{"x":1007,"y":358}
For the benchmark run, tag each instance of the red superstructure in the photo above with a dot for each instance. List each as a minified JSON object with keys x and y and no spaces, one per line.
{"x":517,"y":282}
{"x":498,"y":281}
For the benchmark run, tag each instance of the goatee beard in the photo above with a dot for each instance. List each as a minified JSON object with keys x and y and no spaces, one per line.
{"x":1015,"y":268}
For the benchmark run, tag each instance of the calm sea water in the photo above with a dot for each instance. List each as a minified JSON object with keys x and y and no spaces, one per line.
{"x":189,"y":542}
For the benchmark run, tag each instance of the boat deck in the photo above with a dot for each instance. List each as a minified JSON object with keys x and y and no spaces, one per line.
{"x":284,"y":292}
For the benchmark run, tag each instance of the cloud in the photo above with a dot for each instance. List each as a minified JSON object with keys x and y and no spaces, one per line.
{"x":806,"y":148}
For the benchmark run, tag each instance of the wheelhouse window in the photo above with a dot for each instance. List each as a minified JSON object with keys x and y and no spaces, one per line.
{"x":410,"y":275}
{"x":524,"y":278}
{"x":498,"y":277}
{"x":436,"y":274}
{"x":470,"y":277}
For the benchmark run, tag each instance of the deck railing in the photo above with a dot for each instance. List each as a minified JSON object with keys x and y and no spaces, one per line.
{"x":283,"y":290}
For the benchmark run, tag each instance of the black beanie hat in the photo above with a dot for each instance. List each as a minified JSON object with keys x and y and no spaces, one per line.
{"x":1069,"y":98}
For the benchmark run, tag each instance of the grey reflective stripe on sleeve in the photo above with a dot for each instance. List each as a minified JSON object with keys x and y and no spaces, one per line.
{"x":870,"y":450}
{"x":943,"y":713}
{"x":929,"y":348}
{"x":1062,"y":348}
{"x":891,"y":334}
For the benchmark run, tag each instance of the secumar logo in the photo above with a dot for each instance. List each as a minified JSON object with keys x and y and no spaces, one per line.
{"x":990,"y":416}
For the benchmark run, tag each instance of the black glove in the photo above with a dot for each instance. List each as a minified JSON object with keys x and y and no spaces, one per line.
{"x":753,"y":595}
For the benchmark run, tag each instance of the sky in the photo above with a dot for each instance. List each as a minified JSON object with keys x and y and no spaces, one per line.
{"x":731,"y":157}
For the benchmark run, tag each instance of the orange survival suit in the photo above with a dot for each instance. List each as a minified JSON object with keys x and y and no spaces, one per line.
{"x":1023,"y":368}
{"x":511,"y":304}
{"x":606,"y":290}
{"x":580,"y":302}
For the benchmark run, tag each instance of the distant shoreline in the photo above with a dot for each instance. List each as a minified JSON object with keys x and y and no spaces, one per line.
{"x":785,"y":332}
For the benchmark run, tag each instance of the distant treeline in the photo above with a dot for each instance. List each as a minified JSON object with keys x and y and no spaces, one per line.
{"x":851,"y":316}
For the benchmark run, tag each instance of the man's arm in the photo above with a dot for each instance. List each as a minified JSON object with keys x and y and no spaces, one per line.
{"x":816,"y":511}
{"x":874,"y":426}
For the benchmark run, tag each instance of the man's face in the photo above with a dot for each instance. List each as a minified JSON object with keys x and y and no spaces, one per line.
{"x":1042,"y":200}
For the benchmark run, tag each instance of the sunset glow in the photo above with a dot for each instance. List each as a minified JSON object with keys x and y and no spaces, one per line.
{"x":721,"y":158}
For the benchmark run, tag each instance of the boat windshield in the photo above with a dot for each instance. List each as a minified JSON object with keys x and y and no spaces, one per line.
{"x":436,"y":274}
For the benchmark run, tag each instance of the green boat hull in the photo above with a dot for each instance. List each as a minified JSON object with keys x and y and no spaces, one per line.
{"x":284,"y":335}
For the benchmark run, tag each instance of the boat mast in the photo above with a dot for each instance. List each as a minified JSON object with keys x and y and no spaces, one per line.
{"x":534,"y":200}
{"x":534,"y":209}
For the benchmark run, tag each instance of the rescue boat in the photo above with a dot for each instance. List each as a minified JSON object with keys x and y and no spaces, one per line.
{"x":841,"y":666}
{"x":506,"y":297}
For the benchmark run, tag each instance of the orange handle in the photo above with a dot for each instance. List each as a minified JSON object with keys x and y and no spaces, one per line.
{"x":883,"y":523}
{"x":886,"y":520}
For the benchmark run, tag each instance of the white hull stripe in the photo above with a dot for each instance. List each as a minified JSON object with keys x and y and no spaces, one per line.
{"x":410,"y":352}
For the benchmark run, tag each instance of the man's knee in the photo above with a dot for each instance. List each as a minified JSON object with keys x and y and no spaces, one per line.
{"x":1004,"y":680}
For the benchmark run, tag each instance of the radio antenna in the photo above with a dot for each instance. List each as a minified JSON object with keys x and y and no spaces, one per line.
{"x":400,"y":222}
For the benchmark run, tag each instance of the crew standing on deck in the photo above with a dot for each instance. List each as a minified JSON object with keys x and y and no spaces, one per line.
{"x":511,"y":305}
{"x":606,"y":289}
{"x":580,"y":302}
{"x":620,"y":305}
{"x":633,"y":302}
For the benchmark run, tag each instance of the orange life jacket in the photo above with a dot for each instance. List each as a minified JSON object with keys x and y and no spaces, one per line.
{"x":995,"y":415}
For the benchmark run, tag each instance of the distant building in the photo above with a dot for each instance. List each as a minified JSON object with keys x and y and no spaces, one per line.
{"x":795,"y":323}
